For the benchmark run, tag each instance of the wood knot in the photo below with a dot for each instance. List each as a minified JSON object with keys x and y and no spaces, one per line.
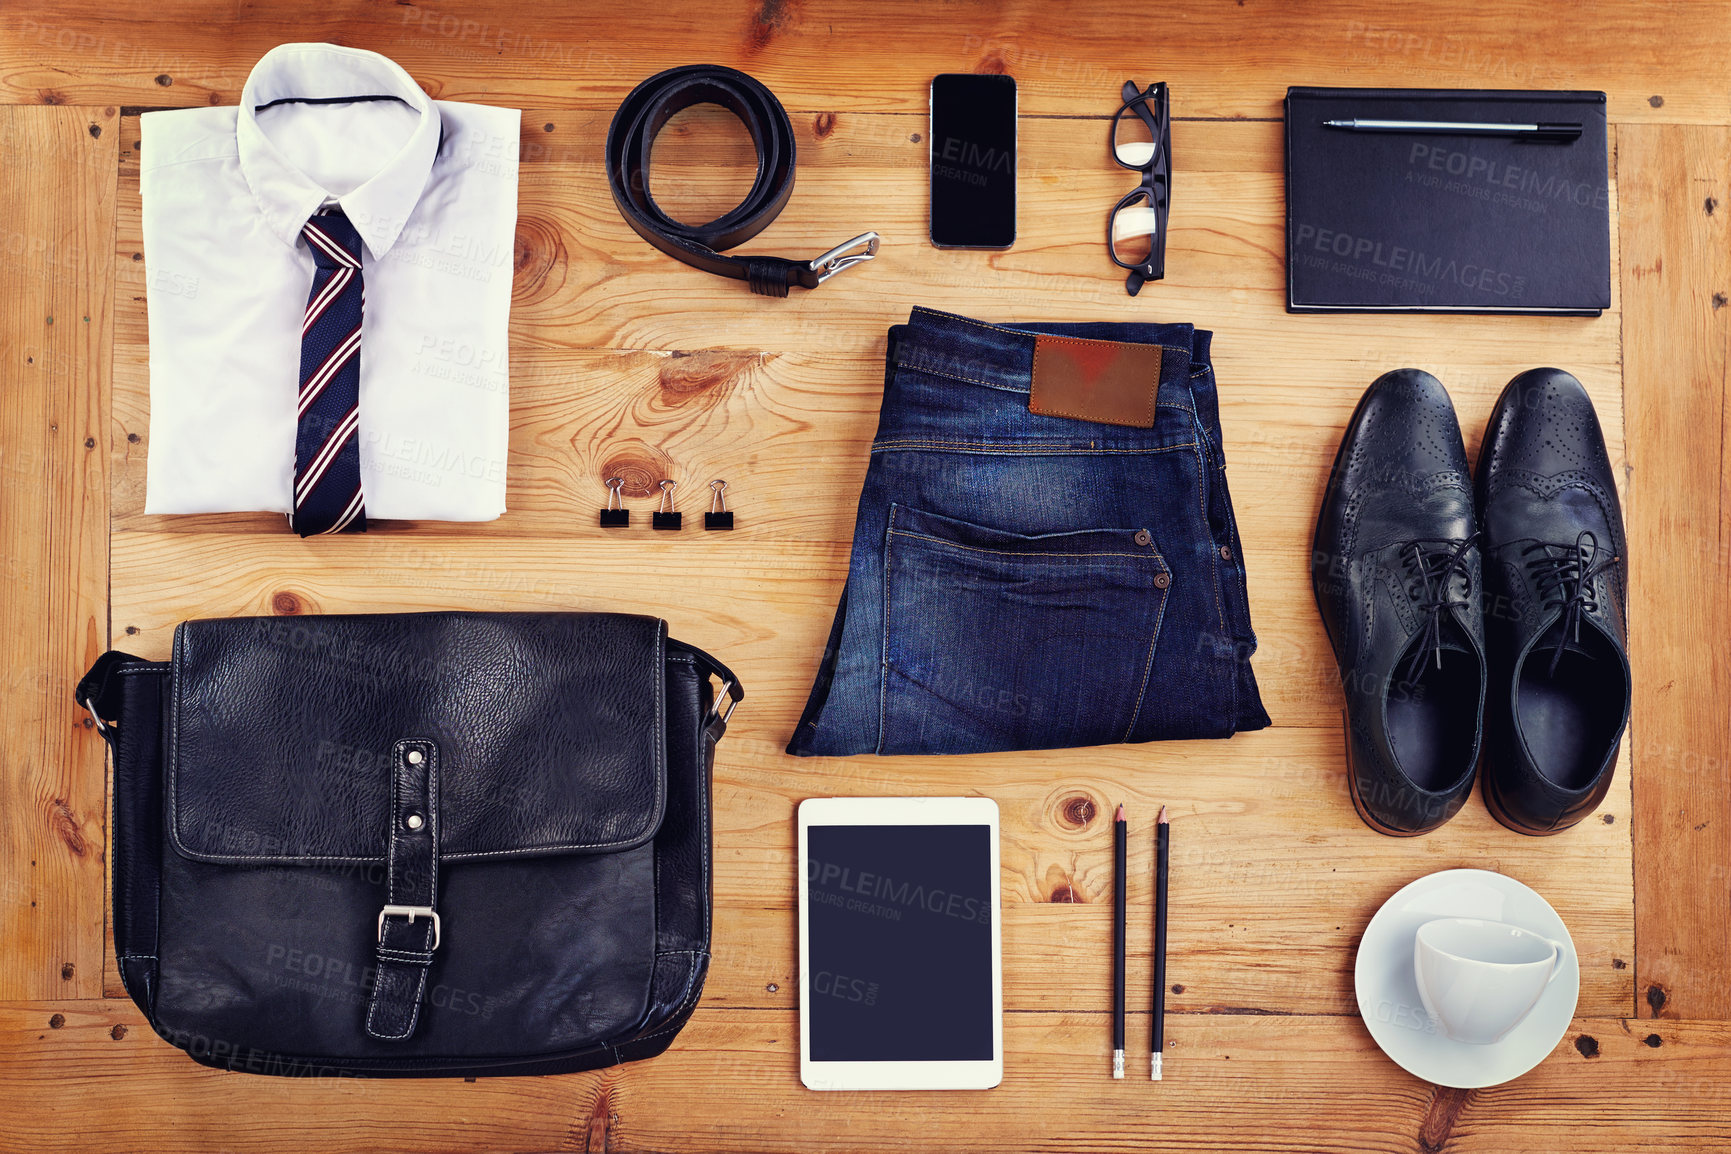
{"x":1446,"y":1107}
{"x":773,"y":16}
{"x":1654,"y":1040}
{"x":537,"y":253}
{"x":641,"y":467}
{"x":118,"y":1032}
{"x":1064,"y":894}
{"x":823,"y":124}
{"x":66,"y":824}
{"x":992,"y":63}
{"x":57,"y":1021}
{"x":689,"y":376}
{"x":601,"y":1118}
{"x":1587,"y":1045}
{"x":1077,"y":811}
{"x":285,"y":604}
{"x":67,"y":970}
{"x":1656,"y":998}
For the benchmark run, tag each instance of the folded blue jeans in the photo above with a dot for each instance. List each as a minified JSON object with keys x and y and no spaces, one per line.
{"x":1030,"y":581}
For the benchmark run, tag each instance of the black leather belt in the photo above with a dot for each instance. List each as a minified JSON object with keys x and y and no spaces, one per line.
{"x":631,"y":136}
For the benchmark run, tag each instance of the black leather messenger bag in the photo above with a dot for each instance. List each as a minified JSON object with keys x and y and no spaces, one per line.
{"x":463,"y":844}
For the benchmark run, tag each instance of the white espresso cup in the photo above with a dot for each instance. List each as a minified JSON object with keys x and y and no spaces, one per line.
{"x":1480,"y":979}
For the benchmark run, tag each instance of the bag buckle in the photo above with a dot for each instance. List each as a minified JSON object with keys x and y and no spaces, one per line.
{"x":843,"y":257}
{"x":410,"y":912}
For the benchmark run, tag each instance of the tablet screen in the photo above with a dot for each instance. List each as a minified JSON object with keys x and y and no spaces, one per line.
{"x":900,"y":940}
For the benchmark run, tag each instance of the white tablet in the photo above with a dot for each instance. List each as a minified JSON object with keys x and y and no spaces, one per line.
{"x":900,"y":976}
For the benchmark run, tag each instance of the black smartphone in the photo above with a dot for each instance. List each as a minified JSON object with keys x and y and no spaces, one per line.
{"x":973,"y":142}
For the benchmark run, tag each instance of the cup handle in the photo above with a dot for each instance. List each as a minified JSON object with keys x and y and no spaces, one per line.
{"x":1556,"y":961}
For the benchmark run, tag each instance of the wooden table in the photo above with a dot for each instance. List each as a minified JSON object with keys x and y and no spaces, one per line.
{"x":625,"y":362}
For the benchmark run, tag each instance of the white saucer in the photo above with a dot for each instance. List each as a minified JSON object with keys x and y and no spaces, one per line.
{"x":1388,"y":993}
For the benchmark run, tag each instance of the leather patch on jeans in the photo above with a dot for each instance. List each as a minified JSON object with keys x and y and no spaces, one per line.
{"x":1112,"y":382}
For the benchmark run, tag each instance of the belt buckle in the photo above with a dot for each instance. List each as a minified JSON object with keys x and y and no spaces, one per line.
{"x":843,"y":257}
{"x":410,"y":912}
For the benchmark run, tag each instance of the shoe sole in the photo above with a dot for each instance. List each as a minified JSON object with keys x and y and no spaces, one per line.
{"x":1352,"y":789}
{"x":1507,"y":822}
{"x":1328,"y":493}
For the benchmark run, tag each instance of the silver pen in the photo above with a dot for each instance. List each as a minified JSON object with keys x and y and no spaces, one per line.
{"x":1540,"y":130}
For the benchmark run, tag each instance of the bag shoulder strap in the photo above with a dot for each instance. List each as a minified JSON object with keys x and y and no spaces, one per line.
{"x":729,"y":697}
{"x":98,"y":691}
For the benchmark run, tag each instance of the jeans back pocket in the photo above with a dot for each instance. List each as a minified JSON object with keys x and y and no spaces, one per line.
{"x":996,"y":641}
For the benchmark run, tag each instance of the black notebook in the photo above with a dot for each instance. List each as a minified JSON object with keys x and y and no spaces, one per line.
{"x":1404,"y":222}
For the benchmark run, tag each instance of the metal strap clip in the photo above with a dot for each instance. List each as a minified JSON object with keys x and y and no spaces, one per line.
{"x":102,"y":726}
{"x":716,"y":712}
{"x":843,"y":257}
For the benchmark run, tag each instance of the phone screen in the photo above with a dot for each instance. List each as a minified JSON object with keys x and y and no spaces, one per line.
{"x":973,"y":147}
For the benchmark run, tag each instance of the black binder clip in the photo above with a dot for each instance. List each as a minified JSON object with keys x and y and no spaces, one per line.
{"x":665,"y":517}
{"x":718,"y":517}
{"x":615,"y":515}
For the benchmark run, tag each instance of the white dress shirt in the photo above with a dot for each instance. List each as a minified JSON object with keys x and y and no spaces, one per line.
{"x":431,"y":186}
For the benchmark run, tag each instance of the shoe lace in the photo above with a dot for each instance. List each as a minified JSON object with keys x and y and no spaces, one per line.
{"x":1564,"y":576}
{"x":1431,"y":567}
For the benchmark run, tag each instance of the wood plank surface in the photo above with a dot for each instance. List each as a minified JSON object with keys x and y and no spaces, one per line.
{"x":1223,"y":60}
{"x":624,"y":361}
{"x":1236,"y":1083}
{"x":1677,"y":250}
{"x":56,"y":334}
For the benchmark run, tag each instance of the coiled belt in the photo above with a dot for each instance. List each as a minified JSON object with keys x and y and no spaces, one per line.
{"x":631,"y":136}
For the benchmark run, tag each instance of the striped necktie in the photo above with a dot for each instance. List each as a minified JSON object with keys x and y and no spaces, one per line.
{"x":327,"y":494}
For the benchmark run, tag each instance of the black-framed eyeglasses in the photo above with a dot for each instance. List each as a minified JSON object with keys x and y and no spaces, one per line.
{"x":1142,"y":142}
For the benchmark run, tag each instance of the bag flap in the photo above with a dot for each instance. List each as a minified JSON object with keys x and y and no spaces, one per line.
{"x":550,"y":727}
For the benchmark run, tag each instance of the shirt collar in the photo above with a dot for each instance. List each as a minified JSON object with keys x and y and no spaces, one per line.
{"x":379,"y":207}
